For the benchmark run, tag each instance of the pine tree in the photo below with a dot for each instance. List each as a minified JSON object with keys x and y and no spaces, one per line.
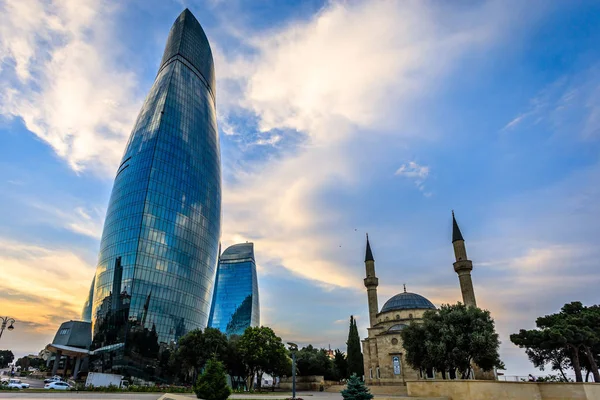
{"x":356,"y":390}
{"x":354,"y":354}
{"x":212,"y":384}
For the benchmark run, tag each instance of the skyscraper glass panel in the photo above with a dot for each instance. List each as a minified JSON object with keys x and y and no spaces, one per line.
{"x":235,"y":303}
{"x":159,"y":247}
{"x":86,"y":312}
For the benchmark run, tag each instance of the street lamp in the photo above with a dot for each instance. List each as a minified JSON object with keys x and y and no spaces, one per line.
{"x":293,"y":349}
{"x":5,"y":321}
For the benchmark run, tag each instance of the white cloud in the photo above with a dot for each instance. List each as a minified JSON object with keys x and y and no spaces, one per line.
{"x":418,"y":173}
{"x":413,"y":170}
{"x":514,"y":122}
{"x":353,"y":71}
{"x":569,"y":104}
{"x":78,"y":219}
{"x":41,"y":287}
{"x":60,"y":75}
{"x":44,"y":281}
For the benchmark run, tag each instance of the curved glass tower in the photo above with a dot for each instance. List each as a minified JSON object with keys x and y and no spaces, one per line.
{"x":86,"y":312}
{"x":159,"y":246}
{"x":235,"y":303}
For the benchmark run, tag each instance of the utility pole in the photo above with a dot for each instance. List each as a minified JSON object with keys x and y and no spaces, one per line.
{"x":293,"y":349}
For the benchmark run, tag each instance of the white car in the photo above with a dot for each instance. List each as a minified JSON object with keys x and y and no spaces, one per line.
{"x":55,"y":378}
{"x":17,"y":384}
{"x":58,"y":386}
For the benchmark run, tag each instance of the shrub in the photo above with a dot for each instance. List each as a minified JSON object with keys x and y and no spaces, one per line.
{"x":356,"y":390}
{"x":212,"y":384}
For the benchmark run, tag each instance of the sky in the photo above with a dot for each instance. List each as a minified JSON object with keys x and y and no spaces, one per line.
{"x":336,"y":118}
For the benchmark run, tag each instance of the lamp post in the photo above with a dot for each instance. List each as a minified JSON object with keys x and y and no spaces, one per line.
{"x":293,"y":349}
{"x":5,"y":321}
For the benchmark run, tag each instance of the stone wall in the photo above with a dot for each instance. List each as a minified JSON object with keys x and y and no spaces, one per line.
{"x":494,"y":390}
{"x":376,"y":390}
{"x":311,"y":382}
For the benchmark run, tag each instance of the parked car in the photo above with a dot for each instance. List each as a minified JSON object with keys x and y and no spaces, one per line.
{"x":17,"y":384}
{"x":55,"y":378}
{"x":58,"y":386}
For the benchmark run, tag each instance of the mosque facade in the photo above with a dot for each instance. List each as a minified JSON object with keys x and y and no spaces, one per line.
{"x":383,"y":352}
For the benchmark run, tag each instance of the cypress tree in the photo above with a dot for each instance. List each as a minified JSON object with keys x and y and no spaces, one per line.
{"x":354,"y":353}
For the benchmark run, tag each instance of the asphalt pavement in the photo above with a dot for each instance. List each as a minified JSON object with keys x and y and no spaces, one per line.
{"x":24,"y":395}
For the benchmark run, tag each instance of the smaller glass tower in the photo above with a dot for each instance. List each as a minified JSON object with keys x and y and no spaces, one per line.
{"x":235,"y":304}
{"x":86,"y":312}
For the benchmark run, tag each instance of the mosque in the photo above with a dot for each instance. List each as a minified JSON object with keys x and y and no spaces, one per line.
{"x":384,"y":356}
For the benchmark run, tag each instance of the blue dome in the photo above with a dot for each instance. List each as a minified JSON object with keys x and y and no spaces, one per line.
{"x":407,"y":301}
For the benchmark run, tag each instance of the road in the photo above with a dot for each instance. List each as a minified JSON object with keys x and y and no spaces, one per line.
{"x":24,"y":395}
{"x":33,"y":383}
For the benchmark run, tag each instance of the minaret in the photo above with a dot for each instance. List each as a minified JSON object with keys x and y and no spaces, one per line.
{"x":462,"y":266}
{"x":371,"y":283}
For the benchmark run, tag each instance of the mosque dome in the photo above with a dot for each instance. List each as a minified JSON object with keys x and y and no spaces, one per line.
{"x":407,"y":301}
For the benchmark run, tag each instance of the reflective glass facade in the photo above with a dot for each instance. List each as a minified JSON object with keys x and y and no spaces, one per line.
{"x":86,"y":312}
{"x":235,"y":304}
{"x":159,"y":247}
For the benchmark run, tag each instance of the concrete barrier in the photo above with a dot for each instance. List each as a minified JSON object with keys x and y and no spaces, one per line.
{"x":495,"y":390}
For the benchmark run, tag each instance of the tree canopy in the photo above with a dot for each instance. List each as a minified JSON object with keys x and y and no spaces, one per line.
{"x":569,"y":338}
{"x":451,"y":339}
{"x":197,"y":347}
{"x":6,"y":357}
{"x":262,"y":351}
{"x":259,"y":350}
{"x":313,"y":361}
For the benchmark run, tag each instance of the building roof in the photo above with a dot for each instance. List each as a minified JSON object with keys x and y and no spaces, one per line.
{"x":456,"y":235}
{"x":74,"y":334}
{"x":188,"y":40}
{"x":407,"y":301}
{"x":369,"y":253}
{"x":238,"y":252}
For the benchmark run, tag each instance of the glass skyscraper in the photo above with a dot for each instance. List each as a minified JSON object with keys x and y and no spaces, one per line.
{"x":86,"y":311}
{"x":235,"y":303}
{"x":159,"y":248}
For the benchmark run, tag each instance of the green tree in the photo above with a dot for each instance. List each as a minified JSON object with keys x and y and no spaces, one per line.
{"x":354,"y":353}
{"x":452,"y":338}
{"x":234,"y":364}
{"x":6,"y":357}
{"x":280,"y":363}
{"x":312,"y":361}
{"x":573,"y":332}
{"x":259,"y":348}
{"x":340,"y":365}
{"x":27,"y":362}
{"x":212,"y":383}
{"x":415,"y":348}
{"x":196,"y":347}
{"x":356,"y":390}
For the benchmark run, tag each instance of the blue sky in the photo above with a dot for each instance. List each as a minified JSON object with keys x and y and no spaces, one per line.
{"x":336,"y":119}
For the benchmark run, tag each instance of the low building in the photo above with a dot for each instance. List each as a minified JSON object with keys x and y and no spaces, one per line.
{"x":69,"y":350}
